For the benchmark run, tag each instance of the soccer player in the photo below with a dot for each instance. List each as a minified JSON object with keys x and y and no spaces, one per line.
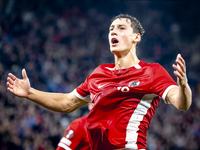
{"x":125,"y":94}
{"x":75,"y":136}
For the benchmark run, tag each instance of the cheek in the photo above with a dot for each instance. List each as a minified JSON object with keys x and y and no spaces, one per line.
{"x":126,"y":39}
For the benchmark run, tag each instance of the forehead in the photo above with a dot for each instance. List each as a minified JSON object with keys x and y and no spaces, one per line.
{"x":121,"y":21}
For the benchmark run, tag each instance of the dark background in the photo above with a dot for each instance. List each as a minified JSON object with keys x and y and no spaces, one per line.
{"x":60,"y":42}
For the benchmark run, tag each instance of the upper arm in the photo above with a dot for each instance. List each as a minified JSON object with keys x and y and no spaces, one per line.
{"x":172,"y":95}
{"x":72,"y":102}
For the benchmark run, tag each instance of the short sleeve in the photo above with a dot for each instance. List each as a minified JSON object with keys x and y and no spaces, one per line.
{"x":82,"y":91}
{"x":162,"y":82}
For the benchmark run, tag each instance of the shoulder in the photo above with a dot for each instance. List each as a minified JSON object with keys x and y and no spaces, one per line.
{"x":80,"y":121}
{"x":142,"y":63}
{"x":151,"y":66}
{"x":154,"y":69}
{"x":78,"y":124}
{"x":83,"y":119}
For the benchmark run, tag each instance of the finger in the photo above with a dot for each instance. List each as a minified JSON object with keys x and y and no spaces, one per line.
{"x":178,"y":69}
{"x":179,"y":57}
{"x":9,"y":85}
{"x":177,"y":74}
{"x":12,"y":76}
{"x":181,"y":65}
{"x":10,"y":80}
{"x":10,"y":90}
{"x":24,"y":74}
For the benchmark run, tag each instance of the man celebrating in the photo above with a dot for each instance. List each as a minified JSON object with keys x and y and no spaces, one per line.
{"x":125,"y":94}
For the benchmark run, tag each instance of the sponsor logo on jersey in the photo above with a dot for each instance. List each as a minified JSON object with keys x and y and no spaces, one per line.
{"x":123,"y":89}
{"x":70,"y":134}
{"x":134,"y":83}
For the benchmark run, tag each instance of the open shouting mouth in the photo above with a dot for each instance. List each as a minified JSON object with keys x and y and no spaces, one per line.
{"x":114,"y":41}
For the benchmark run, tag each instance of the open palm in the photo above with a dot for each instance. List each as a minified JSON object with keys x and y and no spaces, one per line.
{"x":19,"y":87}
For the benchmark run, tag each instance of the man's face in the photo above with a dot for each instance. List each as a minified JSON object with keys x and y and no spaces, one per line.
{"x":121,"y":36}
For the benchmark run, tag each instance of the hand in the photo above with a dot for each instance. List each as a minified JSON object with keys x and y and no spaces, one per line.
{"x":19,"y":87}
{"x":180,"y":70}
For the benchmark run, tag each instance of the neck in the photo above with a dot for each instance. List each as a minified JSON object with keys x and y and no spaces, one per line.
{"x":126,"y":60}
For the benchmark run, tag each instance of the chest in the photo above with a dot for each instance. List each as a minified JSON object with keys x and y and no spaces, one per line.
{"x":120,"y":85}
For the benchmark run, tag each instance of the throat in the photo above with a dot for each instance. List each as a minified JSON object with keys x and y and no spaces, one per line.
{"x":127,"y":59}
{"x":126,"y":62}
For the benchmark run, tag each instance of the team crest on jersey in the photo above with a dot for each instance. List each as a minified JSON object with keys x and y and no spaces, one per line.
{"x":134,"y":83}
{"x":70,"y":134}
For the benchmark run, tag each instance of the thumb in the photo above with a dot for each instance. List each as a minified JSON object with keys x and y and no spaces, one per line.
{"x":24,"y":74}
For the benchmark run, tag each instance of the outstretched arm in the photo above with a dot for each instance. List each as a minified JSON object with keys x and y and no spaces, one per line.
{"x":180,"y":97}
{"x":59,"y":102}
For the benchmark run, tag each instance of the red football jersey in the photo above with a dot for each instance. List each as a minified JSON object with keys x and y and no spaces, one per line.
{"x":125,"y":101}
{"x":75,"y":137}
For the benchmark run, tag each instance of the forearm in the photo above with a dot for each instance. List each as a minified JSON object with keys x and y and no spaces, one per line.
{"x":184,"y":97}
{"x":180,"y":97}
{"x":59,"y":102}
{"x":54,"y":101}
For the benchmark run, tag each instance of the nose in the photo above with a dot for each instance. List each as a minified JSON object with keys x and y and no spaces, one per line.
{"x":113,"y":32}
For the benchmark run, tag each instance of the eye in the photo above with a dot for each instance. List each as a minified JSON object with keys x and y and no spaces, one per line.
{"x":111,"y":29}
{"x":122,"y":28}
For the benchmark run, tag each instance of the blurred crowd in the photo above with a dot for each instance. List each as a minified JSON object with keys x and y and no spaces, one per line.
{"x":59,"y":43}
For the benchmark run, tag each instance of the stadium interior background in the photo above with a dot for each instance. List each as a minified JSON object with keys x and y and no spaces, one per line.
{"x":60,"y":42}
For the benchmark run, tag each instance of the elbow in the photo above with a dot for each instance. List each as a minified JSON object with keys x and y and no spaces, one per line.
{"x":185,"y":103}
{"x":184,"y":107}
{"x":62,"y":109}
{"x":66,"y":109}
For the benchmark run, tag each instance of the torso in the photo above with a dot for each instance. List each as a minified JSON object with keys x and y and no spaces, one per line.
{"x":124,"y":104}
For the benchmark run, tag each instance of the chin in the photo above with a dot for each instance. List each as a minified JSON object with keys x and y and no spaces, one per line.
{"x":119,"y":52}
{"x":114,"y":49}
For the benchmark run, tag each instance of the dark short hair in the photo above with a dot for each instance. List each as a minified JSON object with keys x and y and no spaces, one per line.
{"x":135,"y":24}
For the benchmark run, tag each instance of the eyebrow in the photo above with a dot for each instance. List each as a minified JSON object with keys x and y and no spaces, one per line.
{"x":118,"y":25}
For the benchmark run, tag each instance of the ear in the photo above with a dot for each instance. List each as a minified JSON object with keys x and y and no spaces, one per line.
{"x":137,"y":38}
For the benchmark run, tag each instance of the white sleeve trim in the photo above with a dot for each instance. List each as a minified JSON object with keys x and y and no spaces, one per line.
{"x":66,"y":141}
{"x":87,"y":98}
{"x":166,"y":91}
{"x":64,"y":146}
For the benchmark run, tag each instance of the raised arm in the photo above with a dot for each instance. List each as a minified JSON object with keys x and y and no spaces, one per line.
{"x":59,"y":102}
{"x":180,"y":97}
